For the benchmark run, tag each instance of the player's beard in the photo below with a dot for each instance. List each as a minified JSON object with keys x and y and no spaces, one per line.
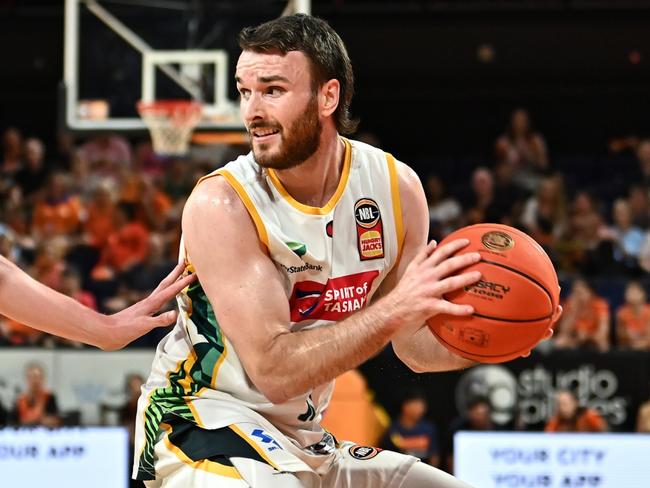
{"x":297,"y":143}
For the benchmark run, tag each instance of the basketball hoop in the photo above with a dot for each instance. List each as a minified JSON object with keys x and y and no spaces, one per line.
{"x":171,"y":123}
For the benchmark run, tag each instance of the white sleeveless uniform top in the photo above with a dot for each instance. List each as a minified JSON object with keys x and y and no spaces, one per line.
{"x":332,"y":259}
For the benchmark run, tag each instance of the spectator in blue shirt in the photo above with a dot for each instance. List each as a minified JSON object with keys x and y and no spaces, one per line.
{"x":411,"y":433}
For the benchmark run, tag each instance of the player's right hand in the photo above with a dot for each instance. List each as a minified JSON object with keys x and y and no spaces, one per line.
{"x":434,"y":272}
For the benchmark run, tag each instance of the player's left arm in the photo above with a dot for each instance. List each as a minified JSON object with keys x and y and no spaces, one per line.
{"x":416,"y":346}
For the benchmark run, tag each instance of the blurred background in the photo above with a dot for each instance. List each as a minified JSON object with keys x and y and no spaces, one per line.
{"x":533,"y":113}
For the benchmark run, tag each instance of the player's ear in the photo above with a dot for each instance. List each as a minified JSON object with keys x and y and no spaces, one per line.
{"x":329,"y":97}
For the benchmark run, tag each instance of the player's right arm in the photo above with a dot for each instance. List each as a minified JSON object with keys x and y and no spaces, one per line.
{"x":247,"y":294}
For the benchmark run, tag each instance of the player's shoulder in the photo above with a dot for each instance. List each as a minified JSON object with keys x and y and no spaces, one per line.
{"x":405,"y":173}
{"x":215,"y":193}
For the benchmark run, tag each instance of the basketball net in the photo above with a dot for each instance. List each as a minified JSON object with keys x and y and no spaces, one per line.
{"x":171,"y":123}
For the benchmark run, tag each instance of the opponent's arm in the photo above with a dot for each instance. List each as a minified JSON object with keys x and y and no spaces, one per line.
{"x":29,"y":302}
{"x":247,"y":295}
{"x":415,"y":345}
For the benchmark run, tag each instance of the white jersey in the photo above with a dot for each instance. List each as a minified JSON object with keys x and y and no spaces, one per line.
{"x":332,"y":259}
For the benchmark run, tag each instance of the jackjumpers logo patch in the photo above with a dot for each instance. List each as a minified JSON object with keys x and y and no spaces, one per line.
{"x":334,"y":300}
{"x":370,"y":231}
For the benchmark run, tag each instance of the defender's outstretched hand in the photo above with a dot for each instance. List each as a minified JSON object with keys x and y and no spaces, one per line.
{"x":135,"y":321}
{"x":29,"y":302}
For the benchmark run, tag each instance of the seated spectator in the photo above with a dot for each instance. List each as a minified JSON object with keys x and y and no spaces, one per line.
{"x":585,"y":320}
{"x":100,"y":221}
{"x":639,"y":202}
{"x":144,"y":277}
{"x":33,"y":176}
{"x":633,"y":319}
{"x":37,"y":406}
{"x":179,"y":181}
{"x":444,"y":211}
{"x":127,"y":246}
{"x":480,"y":204}
{"x":627,"y":238}
{"x":544,"y":215}
{"x":111,"y":148}
{"x":582,"y":248}
{"x":58,"y":212}
{"x":155,"y":204}
{"x":570,"y":417}
{"x":478,"y":417}
{"x":524,"y":149}
{"x":411,"y":433}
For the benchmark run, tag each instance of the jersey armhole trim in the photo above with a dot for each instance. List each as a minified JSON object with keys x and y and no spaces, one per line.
{"x":248,"y":203}
{"x":397,"y":203}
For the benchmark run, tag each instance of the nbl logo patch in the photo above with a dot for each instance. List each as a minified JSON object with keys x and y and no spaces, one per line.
{"x":370,"y":231}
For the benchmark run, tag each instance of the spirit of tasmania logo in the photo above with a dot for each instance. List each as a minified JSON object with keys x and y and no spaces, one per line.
{"x":334,"y":300}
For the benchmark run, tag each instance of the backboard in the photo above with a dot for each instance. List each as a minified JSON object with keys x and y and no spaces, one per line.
{"x":120,"y":52}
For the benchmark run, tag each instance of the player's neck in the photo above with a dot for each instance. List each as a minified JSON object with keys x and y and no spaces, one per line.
{"x":315,"y":181}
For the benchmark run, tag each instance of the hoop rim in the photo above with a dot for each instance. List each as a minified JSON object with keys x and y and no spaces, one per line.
{"x":168,"y":105}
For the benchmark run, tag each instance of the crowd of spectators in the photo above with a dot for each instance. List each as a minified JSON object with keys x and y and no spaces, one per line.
{"x":99,"y":220}
{"x":596,"y":232}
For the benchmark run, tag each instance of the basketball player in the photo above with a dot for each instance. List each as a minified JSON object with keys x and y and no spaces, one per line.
{"x":29,"y":302}
{"x":291,"y":243}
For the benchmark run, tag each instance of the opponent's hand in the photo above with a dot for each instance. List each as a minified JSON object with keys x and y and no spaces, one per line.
{"x":431,"y":274}
{"x":138,"y":319}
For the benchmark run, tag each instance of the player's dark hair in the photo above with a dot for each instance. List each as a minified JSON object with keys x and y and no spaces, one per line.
{"x":323,"y":47}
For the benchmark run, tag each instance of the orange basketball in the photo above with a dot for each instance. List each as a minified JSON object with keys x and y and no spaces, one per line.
{"x":514,"y":301}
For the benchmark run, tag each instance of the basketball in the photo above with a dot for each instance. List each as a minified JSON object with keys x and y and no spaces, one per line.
{"x":514,"y":301}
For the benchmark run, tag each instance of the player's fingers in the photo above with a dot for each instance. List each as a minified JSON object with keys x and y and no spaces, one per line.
{"x":557,"y":314}
{"x":443,"y":306}
{"x":456,"y":282}
{"x":163,"y":320}
{"x":526,"y":354}
{"x":159,"y":297}
{"x":455,"y":263}
{"x":163,"y":296}
{"x":443,"y":252}
{"x":424,"y":253}
{"x":172,"y":276}
{"x":548,"y":335}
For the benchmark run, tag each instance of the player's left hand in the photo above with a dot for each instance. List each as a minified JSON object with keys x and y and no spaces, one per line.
{"x":549,"y":332}
{"x":138,"y":319}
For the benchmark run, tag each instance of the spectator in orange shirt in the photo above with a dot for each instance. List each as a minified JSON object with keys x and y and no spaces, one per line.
{"x":128,"y":245}
{"x":58,"y":212}
{"x":100,"y":222}
{"x":633,"y":319}
{"x":585,"y":321}
{"x":571,"y":417}
{"x":37,"y":406}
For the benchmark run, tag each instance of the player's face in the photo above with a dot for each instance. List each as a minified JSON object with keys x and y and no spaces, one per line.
{"x":279,"y":107}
